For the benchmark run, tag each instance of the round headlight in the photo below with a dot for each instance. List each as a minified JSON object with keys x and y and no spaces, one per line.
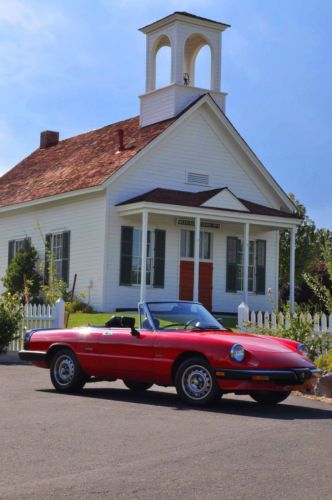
{"x":237,"y":352}
{"x":302,"y":348}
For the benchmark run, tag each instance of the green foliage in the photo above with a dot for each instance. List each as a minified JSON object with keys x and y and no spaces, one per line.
{"x":78,"y":306}
{"x":324,"y":362}
{"x":300,"y":330}
{"x":11,"y":314}
{"x":313,"y":246}
{"x":306,"y":247}
{"x":322,"y":293}
{"x":22,"y":277}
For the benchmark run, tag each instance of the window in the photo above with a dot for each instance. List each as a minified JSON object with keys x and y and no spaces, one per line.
{"x":131,"y":257}
{"x":256,"y":266}
{"x":251,"y":268}
{"x":58,"y":244}
{"x":15,"y":246}
{"x":188,"y":244}
{"x":136,"y":260}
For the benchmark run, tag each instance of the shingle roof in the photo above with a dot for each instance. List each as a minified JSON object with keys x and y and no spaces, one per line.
{"x":189,"y":199}
{"x":80,"y":162}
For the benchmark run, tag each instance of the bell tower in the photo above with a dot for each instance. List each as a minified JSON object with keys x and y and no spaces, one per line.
{"x":185,"y":34}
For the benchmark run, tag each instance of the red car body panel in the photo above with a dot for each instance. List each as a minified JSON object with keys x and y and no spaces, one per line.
{"x":115,"y":353}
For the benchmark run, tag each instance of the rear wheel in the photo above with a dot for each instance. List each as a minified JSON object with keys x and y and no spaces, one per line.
{"x":137,"y":386}
{"x":66,"y":373}
{"x":196,"y":383}
{"x":269,"y":397}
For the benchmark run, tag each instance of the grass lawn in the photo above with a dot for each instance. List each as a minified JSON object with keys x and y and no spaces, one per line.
{"x":83,"y":319}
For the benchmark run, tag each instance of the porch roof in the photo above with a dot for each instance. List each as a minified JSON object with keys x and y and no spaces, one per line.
{"x":205,"y":200}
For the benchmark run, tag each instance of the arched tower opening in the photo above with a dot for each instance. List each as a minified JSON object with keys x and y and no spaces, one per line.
{"x":198,"y":61}
{"x":161,"y":62}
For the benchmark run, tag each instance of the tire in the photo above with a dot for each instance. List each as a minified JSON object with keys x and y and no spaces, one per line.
{"x":269,"y":397}
{"x":196,"y":383}
{"x":137,"y":386}
{"x":66,"y":373}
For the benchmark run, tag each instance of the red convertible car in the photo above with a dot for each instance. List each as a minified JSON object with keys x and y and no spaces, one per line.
{"x":176,"y":344}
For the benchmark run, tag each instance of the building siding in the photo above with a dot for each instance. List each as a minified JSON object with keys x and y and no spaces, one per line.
{"x":85,"y":219}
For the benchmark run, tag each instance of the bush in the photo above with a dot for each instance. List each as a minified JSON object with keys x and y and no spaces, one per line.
{"x":78,"y":306}
{"x":22,"y":276}
{"x":11,"y":314}
{"x":325,"y":361}
{"x":300,"y":330}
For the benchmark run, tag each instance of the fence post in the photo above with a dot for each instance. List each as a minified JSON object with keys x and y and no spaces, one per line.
{"x":242,"y":315}
{"x":59,"y":314}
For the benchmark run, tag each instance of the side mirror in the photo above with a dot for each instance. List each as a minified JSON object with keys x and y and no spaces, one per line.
{"x":130,"y":323}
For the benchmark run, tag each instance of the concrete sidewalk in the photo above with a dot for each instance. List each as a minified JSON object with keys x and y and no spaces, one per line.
{"x":11,"y":358}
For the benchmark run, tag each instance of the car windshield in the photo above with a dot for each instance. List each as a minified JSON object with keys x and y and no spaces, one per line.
{"x":182,"y":315}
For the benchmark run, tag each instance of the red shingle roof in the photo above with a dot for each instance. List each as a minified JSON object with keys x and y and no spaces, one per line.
{"x":80,"y":162}
{"x":189,"y":199}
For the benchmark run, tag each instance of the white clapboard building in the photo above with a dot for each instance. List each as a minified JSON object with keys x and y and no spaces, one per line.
{"x":169,"y":204}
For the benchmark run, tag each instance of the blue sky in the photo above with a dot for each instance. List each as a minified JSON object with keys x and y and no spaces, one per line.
{"x":78,"y":65}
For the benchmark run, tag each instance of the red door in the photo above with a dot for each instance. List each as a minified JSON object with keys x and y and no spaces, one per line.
{"x":123,"y":355}
{"x":205,"y":282}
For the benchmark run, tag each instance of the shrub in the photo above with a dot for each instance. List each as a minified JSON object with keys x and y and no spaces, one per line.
{"x":22,"y":276}
{"x":300,"y":330}
{"x":325,"y":361}
{"x":11,"y":314}
{"x":78,"y":306}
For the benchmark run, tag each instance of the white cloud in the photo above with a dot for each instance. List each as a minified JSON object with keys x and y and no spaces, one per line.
{"x":29,"y":16}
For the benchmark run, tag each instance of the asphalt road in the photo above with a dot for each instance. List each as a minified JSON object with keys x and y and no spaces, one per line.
{"x":107,"y":443}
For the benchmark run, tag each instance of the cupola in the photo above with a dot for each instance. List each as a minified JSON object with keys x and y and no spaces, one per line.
{"x":185,"y":34}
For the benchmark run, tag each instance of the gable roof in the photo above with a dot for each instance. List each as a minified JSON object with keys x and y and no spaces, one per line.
{"x":80,"y":162}
{"x":199,"y":199}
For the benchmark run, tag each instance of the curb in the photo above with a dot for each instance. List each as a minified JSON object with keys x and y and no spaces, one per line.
{"x":11,"y":358}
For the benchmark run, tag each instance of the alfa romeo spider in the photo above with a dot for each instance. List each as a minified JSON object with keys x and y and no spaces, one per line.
{"x":177,"y":344}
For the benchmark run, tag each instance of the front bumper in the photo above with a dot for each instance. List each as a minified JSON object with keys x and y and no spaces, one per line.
{"x":33,"y":356}
{"x":295,"y":376}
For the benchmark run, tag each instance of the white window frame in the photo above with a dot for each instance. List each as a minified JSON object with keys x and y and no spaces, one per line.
{"x":149,"y":260}
{"x":202,"y":259}
{"x":57,"y":259}
{"x":251,"y":266}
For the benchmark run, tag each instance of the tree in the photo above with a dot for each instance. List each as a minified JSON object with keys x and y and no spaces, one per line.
{"x":307,"y":252}
{"x":11,"y":314}
{"x":22,"y":276}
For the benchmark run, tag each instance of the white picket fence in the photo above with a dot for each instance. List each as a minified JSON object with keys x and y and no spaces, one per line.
{"x":321,"y":323}
{"x":41,"y":316}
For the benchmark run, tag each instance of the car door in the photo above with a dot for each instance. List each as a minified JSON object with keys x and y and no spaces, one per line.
{"x":123,"y":355}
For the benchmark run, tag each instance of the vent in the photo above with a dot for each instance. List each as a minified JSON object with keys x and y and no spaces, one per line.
{"x":197,"y":178}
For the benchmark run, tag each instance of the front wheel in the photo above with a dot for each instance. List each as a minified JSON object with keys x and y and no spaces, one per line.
{"x":196,"y":383}
{"x":137,"y":386}
{"x":269,"y":397}
{"x":66,"y":373}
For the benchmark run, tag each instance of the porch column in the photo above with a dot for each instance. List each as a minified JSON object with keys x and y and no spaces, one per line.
{"x":292,"y":270}
{"x":145,"y":217}
{"x":245,"y":262}
{"x":196,"y":258}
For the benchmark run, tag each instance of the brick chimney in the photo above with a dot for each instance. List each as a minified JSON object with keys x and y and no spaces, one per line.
{"x":48,"y":138}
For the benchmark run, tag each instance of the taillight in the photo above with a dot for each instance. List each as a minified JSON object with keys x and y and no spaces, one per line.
{"x":27,"y":338}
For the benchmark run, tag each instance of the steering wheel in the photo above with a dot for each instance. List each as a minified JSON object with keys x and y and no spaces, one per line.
{"x":190,"y":322}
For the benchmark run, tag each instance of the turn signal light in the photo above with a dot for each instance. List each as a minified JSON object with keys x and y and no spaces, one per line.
{"x":260,"y":377}
{"x":220,"y":374}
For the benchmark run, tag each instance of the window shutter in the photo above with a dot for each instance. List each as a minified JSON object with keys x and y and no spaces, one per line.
{"x":126,"y":255}
{"x":232,"y":250}
{"x":260,"y":266}
{"x":65,"y":256}
{"x":11,"y":246}
{"x":27,"y":243}
{"x":159,"y":258}
{"x":48,"y":243}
